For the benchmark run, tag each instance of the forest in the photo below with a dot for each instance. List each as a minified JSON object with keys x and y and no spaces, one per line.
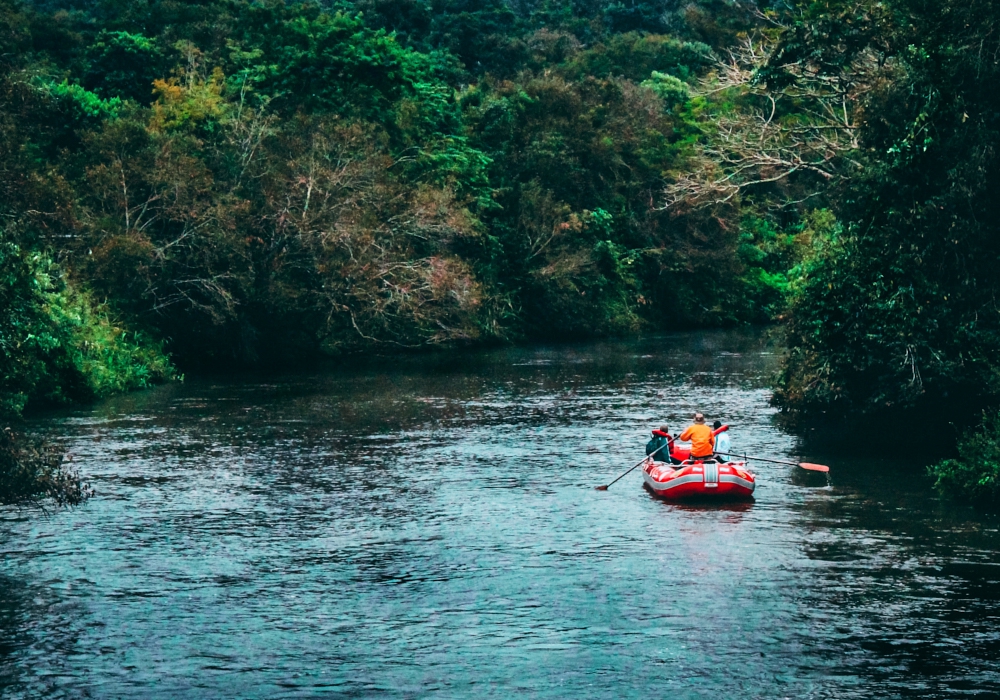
{"x":217,"y":183}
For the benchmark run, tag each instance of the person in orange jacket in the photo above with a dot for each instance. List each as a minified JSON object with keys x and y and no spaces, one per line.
{"x":702,"y":440}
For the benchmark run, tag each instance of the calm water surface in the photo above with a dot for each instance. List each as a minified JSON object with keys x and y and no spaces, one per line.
{"x":429,"y":528}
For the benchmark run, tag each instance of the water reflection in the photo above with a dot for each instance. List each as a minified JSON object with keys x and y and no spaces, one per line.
{"x":429,"y":526}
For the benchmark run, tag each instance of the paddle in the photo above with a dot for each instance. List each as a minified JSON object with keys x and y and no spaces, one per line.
{"x":805,"y":465}
{"x":641,"y":462}
{"x":650,"y":456}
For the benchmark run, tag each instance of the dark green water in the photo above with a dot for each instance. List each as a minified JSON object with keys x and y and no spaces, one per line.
{"x":429,"y":528}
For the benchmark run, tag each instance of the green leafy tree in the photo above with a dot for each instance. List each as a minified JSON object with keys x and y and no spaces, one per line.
{"x":124,"y":65}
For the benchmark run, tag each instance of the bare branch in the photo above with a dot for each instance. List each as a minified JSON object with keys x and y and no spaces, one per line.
{"x":807,"y":126}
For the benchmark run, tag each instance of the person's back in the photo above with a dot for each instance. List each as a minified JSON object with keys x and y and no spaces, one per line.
{"x":700,"y":435}
{"x":661,"y":439}
{"x":723,"y":447}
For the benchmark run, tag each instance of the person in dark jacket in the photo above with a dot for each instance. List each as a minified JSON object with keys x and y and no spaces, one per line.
{"x":662,"y":437}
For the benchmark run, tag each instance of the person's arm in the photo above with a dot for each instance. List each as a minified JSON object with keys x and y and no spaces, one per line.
{"x":685,"y":436}
{"x":671,"y":446}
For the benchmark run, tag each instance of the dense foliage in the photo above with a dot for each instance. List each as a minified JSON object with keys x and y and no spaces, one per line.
{"x":975,"y":473}
{"x":893,"y":313}
{"x":899,"y":309}
{"x":260,"y":180}
{"x":58,"y":345}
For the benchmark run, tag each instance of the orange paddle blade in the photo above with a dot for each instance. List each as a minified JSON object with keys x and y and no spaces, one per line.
{"x":814,"y":467}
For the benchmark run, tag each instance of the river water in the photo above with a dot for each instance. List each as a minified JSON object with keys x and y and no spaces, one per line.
{"x":428,"y":527}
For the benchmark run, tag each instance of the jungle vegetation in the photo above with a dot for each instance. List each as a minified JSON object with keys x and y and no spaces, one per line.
{"x":896,"y":314}
{"x":187,"y":184}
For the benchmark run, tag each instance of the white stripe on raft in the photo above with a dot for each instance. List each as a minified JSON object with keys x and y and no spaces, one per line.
{"x":733,"y":479}
{"x":667,"y":485}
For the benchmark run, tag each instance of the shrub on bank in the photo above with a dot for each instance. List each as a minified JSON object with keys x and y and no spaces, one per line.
{"x":57,"y":344}
{"x":975,"y":473}
{"x":32,"y":471}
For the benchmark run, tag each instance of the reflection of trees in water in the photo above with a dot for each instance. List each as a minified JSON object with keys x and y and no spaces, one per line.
{"x":904,"y":620}
{"x":904,"y":586}
{"x":28,"y":652}
{"x":12,"y":605}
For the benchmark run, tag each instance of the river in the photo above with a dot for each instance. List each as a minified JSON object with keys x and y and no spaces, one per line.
{"x":428,"y":527}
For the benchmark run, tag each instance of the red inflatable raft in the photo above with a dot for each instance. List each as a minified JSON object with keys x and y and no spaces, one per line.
{"x":699,"y":479}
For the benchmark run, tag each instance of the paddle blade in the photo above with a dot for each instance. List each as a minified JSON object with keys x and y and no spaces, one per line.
{"x":600,"y":488}
{"x":814,"y":467}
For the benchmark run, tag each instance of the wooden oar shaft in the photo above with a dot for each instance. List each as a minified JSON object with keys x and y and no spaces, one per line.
{"x":761,"y":459}
{"x":805,"y":465}
{"x":637,"y":464}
